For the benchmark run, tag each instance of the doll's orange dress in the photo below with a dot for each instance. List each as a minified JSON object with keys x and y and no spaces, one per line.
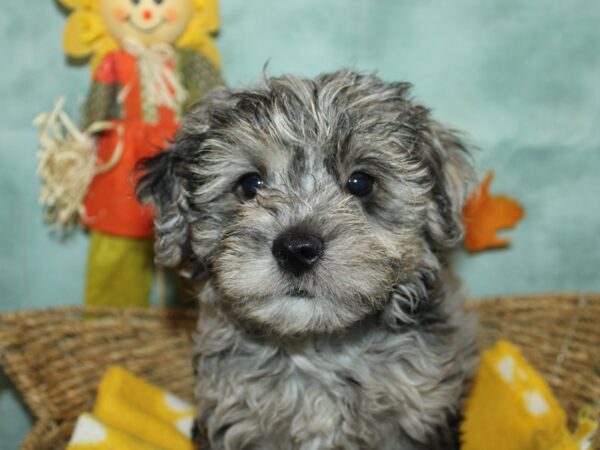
{"x":110,"y":204}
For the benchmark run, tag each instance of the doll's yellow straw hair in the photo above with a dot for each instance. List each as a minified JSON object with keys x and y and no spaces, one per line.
{"x":86,"y":35}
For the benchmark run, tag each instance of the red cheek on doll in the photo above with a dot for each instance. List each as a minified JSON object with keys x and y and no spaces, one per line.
{"x":171,"y":15}
{"x":120,"y":14}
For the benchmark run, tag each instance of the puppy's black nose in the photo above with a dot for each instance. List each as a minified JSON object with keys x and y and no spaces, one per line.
{"x":297,"y":252}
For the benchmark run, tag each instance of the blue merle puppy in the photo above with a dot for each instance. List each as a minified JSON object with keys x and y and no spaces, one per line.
{"x":319,"y":215}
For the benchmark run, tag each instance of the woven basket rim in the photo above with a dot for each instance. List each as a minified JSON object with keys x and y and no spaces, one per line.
{"x":561,"y":295}
{"x":103,"y":310}
{"x":181,"y":312}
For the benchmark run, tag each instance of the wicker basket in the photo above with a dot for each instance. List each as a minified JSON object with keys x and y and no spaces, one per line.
{"x":56,"y":357}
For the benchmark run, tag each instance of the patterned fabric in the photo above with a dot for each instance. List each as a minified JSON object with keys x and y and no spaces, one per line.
{"x":132,"y":414}
{"x":101,"y":104}
{"x":198,"y":74}
{"x":510,"y":398}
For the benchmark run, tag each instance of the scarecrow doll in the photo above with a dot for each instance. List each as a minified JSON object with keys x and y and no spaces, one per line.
{"x":150,"y":61}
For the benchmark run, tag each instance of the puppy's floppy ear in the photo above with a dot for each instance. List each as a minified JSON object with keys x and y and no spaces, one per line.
{"x":160,"y":186}
{"x":165,"y":178}
{"x":449,"y":163}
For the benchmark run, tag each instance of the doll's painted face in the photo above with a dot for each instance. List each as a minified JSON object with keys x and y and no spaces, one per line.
{"x":148,"y":21}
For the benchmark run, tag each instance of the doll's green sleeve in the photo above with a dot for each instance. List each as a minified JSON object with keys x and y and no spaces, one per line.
{"x":101,"y":104}
{"x":198,"y":75}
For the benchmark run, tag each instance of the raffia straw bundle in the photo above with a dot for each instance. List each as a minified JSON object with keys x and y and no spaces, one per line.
{"x":67,"y":163}
{"x":56,"y":357}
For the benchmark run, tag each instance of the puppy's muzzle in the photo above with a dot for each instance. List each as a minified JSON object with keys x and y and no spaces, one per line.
{"x":297,"y":252}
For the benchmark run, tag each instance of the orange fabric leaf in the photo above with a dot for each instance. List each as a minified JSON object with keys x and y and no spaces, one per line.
{"x":484,"y":215}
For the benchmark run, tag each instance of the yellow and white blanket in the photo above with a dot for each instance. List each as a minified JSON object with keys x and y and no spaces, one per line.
{"x":131,"y":414}
{"x":510,"y":408}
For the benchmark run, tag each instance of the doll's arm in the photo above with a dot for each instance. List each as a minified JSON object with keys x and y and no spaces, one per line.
{"x":198,"y":75}
{"x":101,"y":103}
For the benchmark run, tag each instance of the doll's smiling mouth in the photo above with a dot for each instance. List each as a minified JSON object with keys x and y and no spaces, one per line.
{"x":145,"y":30}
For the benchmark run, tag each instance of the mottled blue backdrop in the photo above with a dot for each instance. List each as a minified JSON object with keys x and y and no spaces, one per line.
{"x":520,"y":76}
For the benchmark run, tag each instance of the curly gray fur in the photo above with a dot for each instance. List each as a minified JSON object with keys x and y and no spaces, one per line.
{"x":371,"y":349}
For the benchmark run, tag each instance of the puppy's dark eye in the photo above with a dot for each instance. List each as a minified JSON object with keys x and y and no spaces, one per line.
{"x":249,"y":184}
{"x":158,"y":2}
{"x":135,"y":2}
{"x":360,"y":184}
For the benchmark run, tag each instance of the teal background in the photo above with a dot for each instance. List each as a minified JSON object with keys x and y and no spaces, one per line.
{"x":520,"y":76}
